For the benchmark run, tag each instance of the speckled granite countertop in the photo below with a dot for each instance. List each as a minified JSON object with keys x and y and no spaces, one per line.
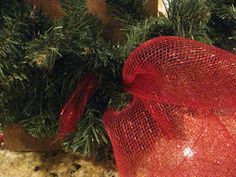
{"x":54,"y":164}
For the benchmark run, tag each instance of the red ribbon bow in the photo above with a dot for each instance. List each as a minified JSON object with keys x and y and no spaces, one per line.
{"x":174,"y":127}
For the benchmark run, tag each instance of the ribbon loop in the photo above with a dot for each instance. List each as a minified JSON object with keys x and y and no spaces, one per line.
{"x":170,"y":128}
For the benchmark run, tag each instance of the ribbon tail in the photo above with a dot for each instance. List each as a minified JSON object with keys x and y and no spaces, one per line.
{"x":75,"y":106}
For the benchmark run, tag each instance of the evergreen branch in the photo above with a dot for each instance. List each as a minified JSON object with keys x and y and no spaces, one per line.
{"x":44,"y":50}
{"x":222,"y":24}
{"x":42,"y":125}
{"x":188,"y":24}
{"x":145,"y":30}
{"x":127,"y":11}
{"x":89,"y":135}
{"x":228,"y":12}
{"x":12,"y":37}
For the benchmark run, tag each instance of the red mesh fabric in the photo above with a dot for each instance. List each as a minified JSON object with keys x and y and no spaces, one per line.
{"x":75,"y":106}
{"x":181,"y":121}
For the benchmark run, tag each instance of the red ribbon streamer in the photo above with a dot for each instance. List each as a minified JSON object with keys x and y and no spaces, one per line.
{"x":74,"y":108}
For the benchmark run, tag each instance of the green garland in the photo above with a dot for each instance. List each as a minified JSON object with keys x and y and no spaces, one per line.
{"x":42,"y":60}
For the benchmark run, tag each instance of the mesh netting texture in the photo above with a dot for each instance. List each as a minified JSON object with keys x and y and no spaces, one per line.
{"x":181,"y":121}
{"x":74,"y":108}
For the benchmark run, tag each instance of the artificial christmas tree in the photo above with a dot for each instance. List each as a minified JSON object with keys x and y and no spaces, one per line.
{"x":46,"y":56}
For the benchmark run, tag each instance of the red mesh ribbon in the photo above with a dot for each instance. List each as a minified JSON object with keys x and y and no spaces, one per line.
{"x":181,"y":121}
{"x":75,"y":106}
